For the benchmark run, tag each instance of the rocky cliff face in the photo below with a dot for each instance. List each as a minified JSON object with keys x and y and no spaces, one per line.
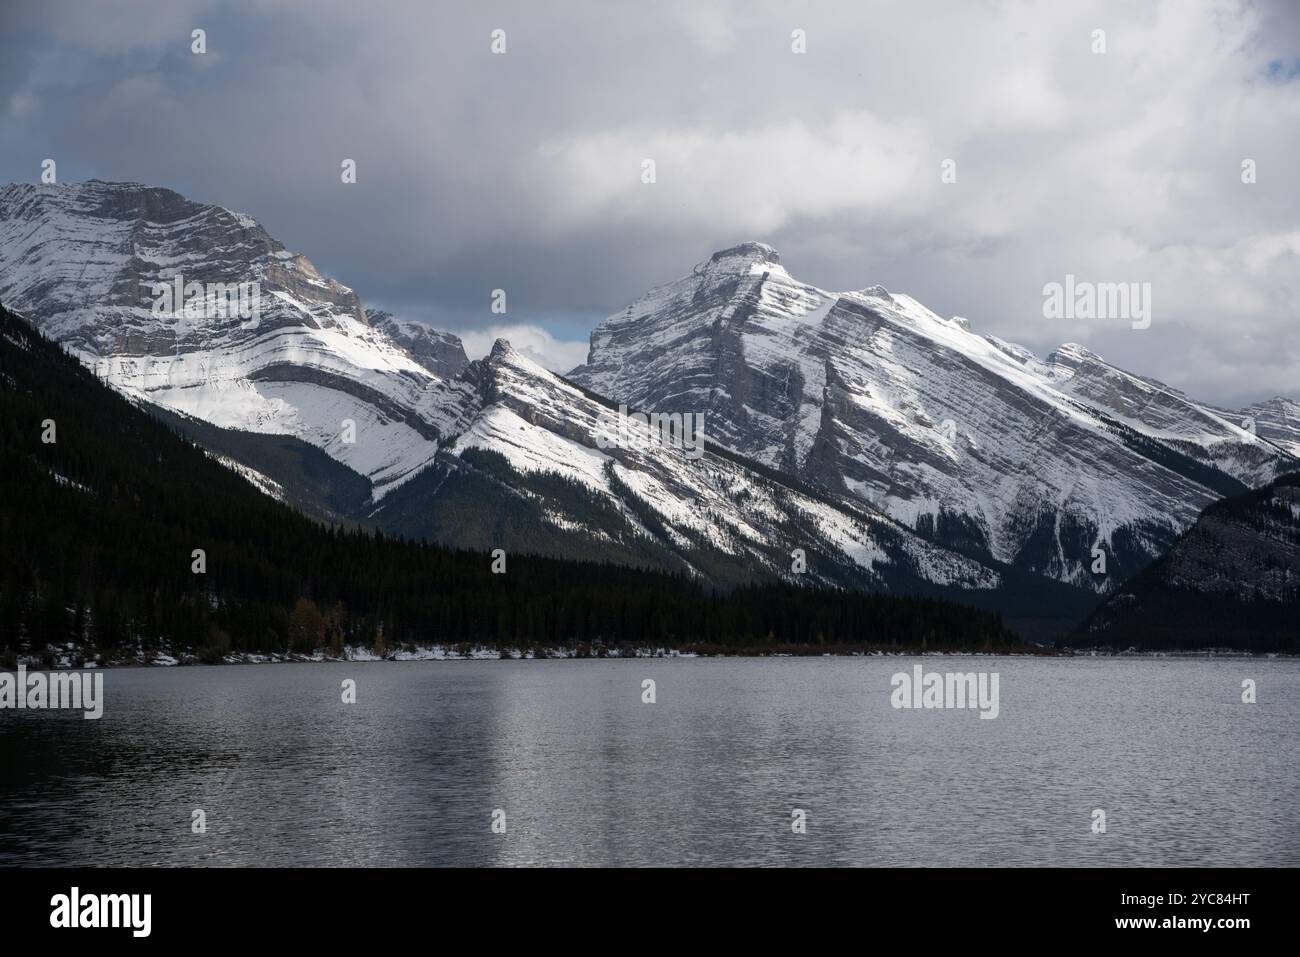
{"x":439,"y":352}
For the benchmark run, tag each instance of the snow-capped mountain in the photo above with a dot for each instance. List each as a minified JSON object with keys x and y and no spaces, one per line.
{"x":302,"y":358}
{"x":968,"y":439}
{"x":439,"y":438}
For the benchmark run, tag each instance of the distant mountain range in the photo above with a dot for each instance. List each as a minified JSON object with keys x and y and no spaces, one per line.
{"x":853,"y":439}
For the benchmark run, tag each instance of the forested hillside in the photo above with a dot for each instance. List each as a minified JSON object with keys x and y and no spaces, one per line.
{"x":1232,"y":581}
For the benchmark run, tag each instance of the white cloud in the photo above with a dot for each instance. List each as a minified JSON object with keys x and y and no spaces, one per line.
{"x":755,"y":180}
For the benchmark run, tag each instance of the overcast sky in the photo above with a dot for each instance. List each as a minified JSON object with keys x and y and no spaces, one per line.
{"x":522,"y":171}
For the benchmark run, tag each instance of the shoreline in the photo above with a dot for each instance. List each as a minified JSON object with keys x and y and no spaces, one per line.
{"x":170,"y":659}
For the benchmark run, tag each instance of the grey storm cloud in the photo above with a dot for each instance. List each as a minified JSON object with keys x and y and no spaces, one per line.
{"x":522,"y":171}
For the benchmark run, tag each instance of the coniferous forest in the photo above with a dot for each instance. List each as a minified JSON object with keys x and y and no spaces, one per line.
{"x":119,"y":537}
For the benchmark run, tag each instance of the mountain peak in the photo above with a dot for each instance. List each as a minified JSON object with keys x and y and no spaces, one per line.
{"x":85,"y":261}
{"x":1071,"y":355}
{"x":120,"y":186}
{"x":748,"y":252}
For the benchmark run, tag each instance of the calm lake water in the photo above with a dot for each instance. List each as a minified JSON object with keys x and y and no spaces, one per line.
{"x":709,"y":774}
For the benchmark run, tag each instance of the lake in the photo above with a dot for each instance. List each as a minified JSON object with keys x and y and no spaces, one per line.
{"x":584,"y":773}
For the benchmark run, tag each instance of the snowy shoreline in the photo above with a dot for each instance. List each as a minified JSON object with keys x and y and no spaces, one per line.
{"x":66,"y":659}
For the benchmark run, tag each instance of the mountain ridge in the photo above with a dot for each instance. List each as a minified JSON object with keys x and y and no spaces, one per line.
{"x":896,"y":448}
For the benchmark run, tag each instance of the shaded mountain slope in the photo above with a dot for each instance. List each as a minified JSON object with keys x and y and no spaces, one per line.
{"x":1231,"y":581}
